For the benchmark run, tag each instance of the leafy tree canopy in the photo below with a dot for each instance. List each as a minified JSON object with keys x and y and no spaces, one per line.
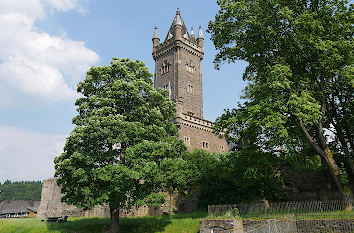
{"x":124,"y":133}
{"x":300,"y":72}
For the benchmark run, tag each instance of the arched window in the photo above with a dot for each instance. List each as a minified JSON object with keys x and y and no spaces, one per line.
{"x":221,"y":148}
{"x":190,"y":67}
{"x":190,"y":89}
{"x":165,"y":68}
{"x":187,"y":141}
{"x":205,"y":145}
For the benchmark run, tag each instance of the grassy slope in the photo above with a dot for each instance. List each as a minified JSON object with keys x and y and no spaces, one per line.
{"x":179,"y":224}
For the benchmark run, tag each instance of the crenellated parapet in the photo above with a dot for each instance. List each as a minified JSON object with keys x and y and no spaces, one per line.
{"x":166,"y":46}
{"x":195,"y":122}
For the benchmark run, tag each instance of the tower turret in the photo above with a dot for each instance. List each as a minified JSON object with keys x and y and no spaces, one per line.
{"x":200,"y":39}
{"x":155,"y":39}
{"x":178,"y":25}
{"x":192,"y":35}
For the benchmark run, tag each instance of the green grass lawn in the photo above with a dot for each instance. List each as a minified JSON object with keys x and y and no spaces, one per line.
{"x":180,"y":223}
{"x":186,"y":223}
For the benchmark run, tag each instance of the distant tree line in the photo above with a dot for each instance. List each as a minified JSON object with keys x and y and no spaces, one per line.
{"x":21,"y":190}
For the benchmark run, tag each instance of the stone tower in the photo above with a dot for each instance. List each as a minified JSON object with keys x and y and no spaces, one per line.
{"x":178,"y":69}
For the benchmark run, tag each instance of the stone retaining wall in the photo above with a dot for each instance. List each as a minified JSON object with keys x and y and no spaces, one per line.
{"x":248,"y":224}
{"x":302,"y":226}
{"x":221,"y":226}
{"x":325,"y":225}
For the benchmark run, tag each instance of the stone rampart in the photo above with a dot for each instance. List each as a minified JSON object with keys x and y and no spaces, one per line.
{"x":52,"y":206}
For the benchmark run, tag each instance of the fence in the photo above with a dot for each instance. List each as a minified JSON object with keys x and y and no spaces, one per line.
{"x":331,"y":208}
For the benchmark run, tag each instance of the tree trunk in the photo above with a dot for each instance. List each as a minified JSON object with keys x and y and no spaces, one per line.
{"x":114,"y":227}
{"x":343,"y":143}
{"x":340,"y":134}
{"x":170,"y":204}
{"x":326,"y":154}
{"x":335,"y":171}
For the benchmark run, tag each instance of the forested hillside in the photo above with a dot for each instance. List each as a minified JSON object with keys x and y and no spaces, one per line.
{"x":23,"y":190}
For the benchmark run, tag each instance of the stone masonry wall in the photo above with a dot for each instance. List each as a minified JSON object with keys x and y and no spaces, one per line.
{"x":165,"y":79}
{"x":325,"y":225}
{"x":52,"y":206}
{"x":308,"y":186}
{"x":302,"y":226}
{"x":192,"y":102}
{"x":221,"y":226}
{"x":198,"y":135}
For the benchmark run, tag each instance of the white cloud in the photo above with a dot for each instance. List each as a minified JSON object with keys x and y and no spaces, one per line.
{"x":35,"y":78}
{"x":28,"y":155}
{"x":2,"y":147}
{"x":32,"y":8}
{"x":34,"y":63}
{"x":66,"y":5}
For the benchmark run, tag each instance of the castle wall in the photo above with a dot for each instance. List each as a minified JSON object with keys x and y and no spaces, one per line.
{"x":199,"y":132}
{"x":52,"y":206}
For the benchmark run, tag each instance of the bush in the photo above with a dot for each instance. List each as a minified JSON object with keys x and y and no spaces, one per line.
{"x":237,"y":177}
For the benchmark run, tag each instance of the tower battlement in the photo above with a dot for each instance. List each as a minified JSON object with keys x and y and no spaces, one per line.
{"x":187,"y":45}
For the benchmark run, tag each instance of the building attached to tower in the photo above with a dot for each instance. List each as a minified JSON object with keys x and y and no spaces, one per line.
{"x":178,"y":69}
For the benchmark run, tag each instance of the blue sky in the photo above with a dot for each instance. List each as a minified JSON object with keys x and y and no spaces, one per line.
{"x":46,"y":46}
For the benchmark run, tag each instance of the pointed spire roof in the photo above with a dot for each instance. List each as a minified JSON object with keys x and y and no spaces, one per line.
{"x":177,"y":21}
{"x":178,"y":18}
{"x":156,"y":34}
{"x":192,"y":35}
{"x":200,"y":33}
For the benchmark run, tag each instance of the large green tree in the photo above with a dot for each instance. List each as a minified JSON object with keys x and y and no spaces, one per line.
{"x":300,"y":72}
{"x":122,"y":136}
{"x":175,"y":176}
